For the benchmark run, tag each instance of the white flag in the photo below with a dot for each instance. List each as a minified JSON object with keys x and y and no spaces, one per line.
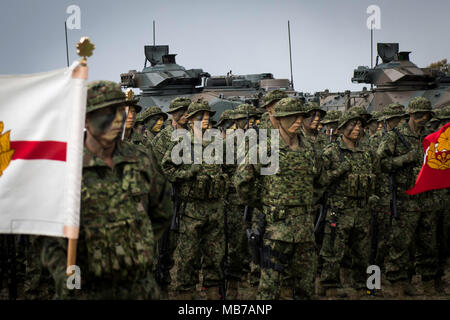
{"x":41,"y":148}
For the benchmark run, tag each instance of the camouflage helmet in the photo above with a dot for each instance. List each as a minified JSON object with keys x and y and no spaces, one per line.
{"x":150,"y":112}
{"x":332,"y":116}
{"x":361,"y":111}
{"x":129,"y":95}
{"x":226,"y":115}
{"x":288,"y":107}
{"x":347,"y":116}
{"x":274,"y":96}
{"x":393,"y":110}
{"x":179,"y":103}
{"x":243,"y":109}
{"x":444,"y":113}
{"x":376,"y":116}
{"x":197,"y":106}
{"x":313,"y":106}
{"x":419,"y":104}
{"x":102,"y":94}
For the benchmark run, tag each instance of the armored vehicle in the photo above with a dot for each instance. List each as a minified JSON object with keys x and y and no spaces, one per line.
{"x":395,"y":79}
{"x":164,"y":80}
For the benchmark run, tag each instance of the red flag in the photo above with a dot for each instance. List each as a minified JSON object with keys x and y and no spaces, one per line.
{"x":435,"y":172}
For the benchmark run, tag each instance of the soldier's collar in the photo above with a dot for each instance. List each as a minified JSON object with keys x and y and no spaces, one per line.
{"x":343,"y":145}
{"x":122,"y":153}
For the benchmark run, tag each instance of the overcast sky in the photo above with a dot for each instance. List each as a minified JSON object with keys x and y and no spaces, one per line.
{"x":329,"y":37}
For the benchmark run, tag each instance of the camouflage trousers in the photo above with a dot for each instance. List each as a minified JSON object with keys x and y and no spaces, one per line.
{"x":384,"y":226}
{"x":238,"y":252}
{"x":346,"y":237}
{"x":413,"y":242}
{"x":200,"y":245}
{"x":289,"y":268}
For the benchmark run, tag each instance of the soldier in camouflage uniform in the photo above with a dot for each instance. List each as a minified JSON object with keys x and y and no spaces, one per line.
{"x":442,"y":212}
{"x":152,"y":121}
{"x":132,"y":134}
{"x":374,"y":124}
{"x":316,"y":142}
{"x":330,"y":121}
{"x":226,"y":121}
{"x":389,"y":118}
{"x":434,"y":123}
{"x":238,"y":253}
{"x":178,"y":110}
{"x":270,"y":99}
{"x":122,"y":209}
{"x":160,"y":144}
{"x":201,"y":231}
{"x":349,"y":176}
{"x":312,"y":119}
{"x":245,"y":116}
{"x":288,"y":260}
{"x":366,"y":116}
{"x":400,"y":153}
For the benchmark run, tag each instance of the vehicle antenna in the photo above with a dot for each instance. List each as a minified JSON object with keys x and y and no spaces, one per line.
{"x":67,"y":45}
{"x":290,"y":54}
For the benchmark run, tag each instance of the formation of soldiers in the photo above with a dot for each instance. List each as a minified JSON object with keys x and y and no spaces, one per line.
{"x":153,"y":228}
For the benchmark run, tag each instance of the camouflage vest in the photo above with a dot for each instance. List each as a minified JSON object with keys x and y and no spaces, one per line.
{"x":292,"y":185}
{"x":405,"y":177}
{"x":209,"y":183}
{"x":360,"y":181}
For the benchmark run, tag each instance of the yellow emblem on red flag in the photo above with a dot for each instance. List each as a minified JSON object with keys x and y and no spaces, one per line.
{"x":435,"y":172}
{"x":439,"y":153}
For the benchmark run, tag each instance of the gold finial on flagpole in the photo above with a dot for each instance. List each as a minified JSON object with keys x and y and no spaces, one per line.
{"x":84,"y":49}
{"x":129,"y":94}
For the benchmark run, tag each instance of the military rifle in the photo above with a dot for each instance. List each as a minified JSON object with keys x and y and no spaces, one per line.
{"x":175,"y":224}
{"x":163,"y":257}
{"x":322,"y":213}
{"x":255,"y":240}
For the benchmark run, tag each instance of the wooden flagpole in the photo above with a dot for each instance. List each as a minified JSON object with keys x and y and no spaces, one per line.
{"x":84,"y":49}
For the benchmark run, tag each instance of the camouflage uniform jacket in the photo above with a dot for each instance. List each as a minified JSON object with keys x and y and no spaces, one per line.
{"x":122,"y":209}
{"x":391,"y":152}
{"x":148,"y":137}
{"x":382,"y":189}
{"x":162,"y":142}
{"x":316,"y":146}
{"x":282,"y":196}
{"x":351,"y":187}
{"x":364,"y":142}
{"x":195,"y":181}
